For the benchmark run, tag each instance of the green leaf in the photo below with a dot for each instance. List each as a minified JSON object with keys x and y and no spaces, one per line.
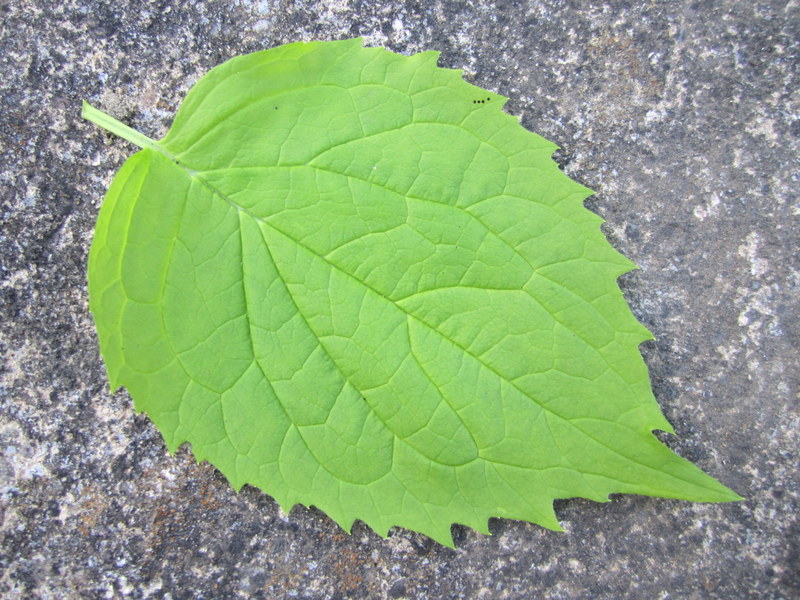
{"x":347,"y":277}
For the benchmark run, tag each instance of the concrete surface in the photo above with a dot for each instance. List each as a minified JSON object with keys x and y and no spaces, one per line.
{"x":682,"y":115}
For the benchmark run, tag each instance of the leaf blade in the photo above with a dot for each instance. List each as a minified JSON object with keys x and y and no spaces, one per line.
{"x":402,"y":316}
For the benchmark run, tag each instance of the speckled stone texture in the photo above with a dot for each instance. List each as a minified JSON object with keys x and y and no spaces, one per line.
{"x":682,"y":115}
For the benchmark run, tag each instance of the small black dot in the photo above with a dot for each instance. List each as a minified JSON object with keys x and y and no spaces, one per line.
{"x":276,"y":108}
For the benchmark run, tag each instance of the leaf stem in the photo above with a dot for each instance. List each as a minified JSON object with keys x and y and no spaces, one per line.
{"x":109,"y":123}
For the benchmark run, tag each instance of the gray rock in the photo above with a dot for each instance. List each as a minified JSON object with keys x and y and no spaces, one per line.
{"x":682,"y":115}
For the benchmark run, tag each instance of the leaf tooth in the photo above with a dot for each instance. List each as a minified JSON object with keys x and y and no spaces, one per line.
{"x":337,"y":514}
{"x":444,"y":537}
{"x":442,"y":532}
{"x":114,"y":384}
{"x":286,"y":503}
{"x":480,"y":524}
{"x":173,"y":443}
{"x":660,"y":423}
{"x":381,"y":530}
{"x":550,"y":520}
{"x":430,"y":57}
{"x":373,"y":521}
{"x":643,"y":334}
{"x":236,"y":483}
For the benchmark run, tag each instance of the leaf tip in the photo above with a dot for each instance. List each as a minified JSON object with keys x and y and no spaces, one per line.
{"x":718,"y":492}
{"x":733,"y":496}
{"x":722,"y":494}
